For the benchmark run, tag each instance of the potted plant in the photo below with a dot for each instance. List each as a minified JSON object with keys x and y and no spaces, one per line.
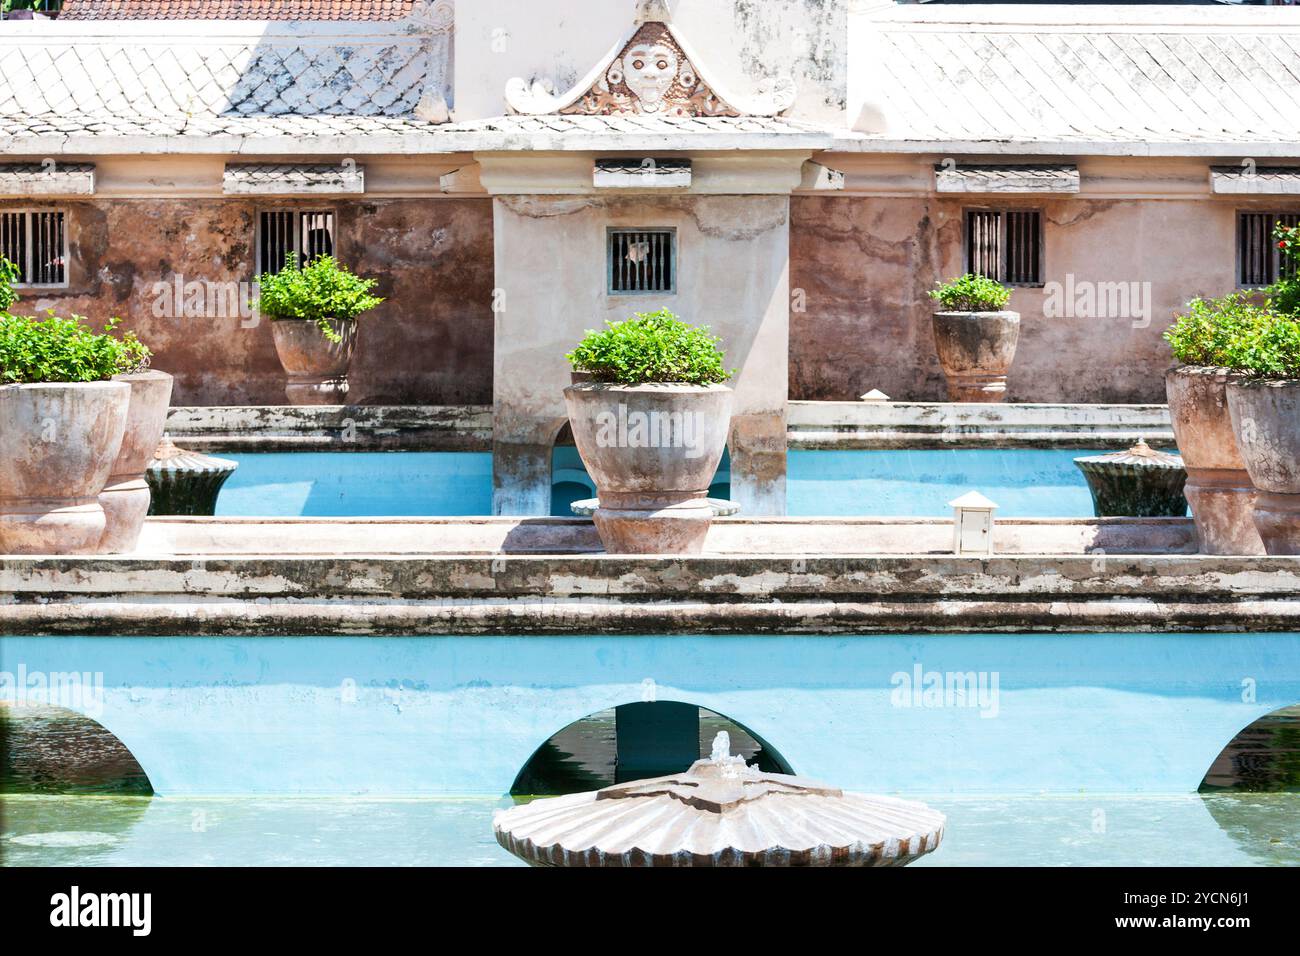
{"x":1218,"y":488}
{"x":650,"y":417}
{"x":62,"y":417}
{"x":975,"y":337}
{"x":1264,"y":402}
{"x":313,"y":311}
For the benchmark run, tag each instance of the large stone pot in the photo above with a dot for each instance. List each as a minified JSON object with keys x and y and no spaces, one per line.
{"x":1218,"y":488}
{"x":976,"y":350}
{"x":1266,"y":422}
{"x":58,"y":443}
{"x":317,"y":367}
{"x":652,"y":451}
{"x":125,"y":499}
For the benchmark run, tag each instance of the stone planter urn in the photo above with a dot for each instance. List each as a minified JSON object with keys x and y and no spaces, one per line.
{"x":317,"y":367}
{"x":1218,"y":487}
{"x":1266,"y":422}
{"x":60,"y":441}
{"x":125,"y":499}
{"x":652,"y":451}
{"x":976,"y":350}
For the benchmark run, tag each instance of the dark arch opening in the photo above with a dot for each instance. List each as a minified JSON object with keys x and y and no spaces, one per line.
{"x":1263,"y":758}
{"x":634,"y":742}
{"x":53,"y":750}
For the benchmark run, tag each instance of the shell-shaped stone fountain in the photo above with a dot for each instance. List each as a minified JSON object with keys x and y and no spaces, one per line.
{"x":719,"y":813}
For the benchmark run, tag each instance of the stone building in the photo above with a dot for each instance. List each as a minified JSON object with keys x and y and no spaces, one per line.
{"x":802,"y":171}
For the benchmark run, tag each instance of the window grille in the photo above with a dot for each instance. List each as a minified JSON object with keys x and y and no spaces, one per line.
{"x":308,"y":233}
{"x":1259,"y":261}
{"x":641,"y":261}
{"x":37,"y":243}
{"x":1005,"y":245}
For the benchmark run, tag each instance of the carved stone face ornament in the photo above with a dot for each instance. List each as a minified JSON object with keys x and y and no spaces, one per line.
{"x":652,"y":74}
{"x":649,"y":70}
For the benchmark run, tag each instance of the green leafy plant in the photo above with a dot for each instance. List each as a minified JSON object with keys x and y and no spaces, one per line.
{"x":8,"y":276}
{"x":651,"y":347}
{"x":55,"y":349}
{"x":1266,"y":349}
{"x":1284,"y":295}
{"x":971,"y":293}
{"x":320,"y":291}
{"x":1205,"y":333}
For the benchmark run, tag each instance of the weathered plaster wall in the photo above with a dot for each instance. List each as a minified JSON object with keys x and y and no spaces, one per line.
{"x":739,"y":42}
{"x":430,"y":343}
{"x":865,"y":263}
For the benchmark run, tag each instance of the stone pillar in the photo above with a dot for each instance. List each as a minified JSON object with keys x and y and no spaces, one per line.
{"x":522,"y":447}
{"x":550,"y":243}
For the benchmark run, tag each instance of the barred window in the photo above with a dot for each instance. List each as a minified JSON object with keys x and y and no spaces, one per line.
{"x":1259,"y":261}
{"x":642,"y":260}
{"x":37,"y":243}
{"x":1005,"y":245}
{"x":306,"y":232}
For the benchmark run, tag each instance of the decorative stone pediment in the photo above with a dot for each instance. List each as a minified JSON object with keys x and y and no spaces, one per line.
{"x":650,"y":71}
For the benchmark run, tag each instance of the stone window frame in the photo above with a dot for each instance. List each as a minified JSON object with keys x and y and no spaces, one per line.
{"x":65,"y":253}
{"x":298,"y":210}
{"x":1274,"y":269}
{"x":1002,"y":209}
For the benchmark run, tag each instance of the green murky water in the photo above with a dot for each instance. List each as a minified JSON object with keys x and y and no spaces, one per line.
{"x":1224,"y":829}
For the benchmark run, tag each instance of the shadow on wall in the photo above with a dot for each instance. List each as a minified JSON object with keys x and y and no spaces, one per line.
{"x":635,"y":742}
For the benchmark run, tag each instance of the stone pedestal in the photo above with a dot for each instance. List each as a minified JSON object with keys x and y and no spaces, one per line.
{"x":1277,"y":517}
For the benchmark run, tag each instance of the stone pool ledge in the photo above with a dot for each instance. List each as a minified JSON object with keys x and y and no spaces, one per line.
{"x":585,"y":594}
{"x":811,"y":425}
{"x":891,"y":425}
{"x":741,"y":536}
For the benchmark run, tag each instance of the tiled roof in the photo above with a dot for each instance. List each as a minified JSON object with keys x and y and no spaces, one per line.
{"x":152,"y":78}
{"x":236,"y":9}
{"x":962,"y":74}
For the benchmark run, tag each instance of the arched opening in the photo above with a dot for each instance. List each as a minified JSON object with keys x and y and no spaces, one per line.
{"x":1262,"y":758}
{"x":54,"y":750}
{"x":634,"y":742}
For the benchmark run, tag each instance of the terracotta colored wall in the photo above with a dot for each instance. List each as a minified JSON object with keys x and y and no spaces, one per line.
{"x":431,"y":343}
{"x":864,"y":265}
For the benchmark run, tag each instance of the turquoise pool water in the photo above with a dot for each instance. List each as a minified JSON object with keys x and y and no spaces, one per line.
{"x":1024,"y":483}
{"x":1074,"y":830}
